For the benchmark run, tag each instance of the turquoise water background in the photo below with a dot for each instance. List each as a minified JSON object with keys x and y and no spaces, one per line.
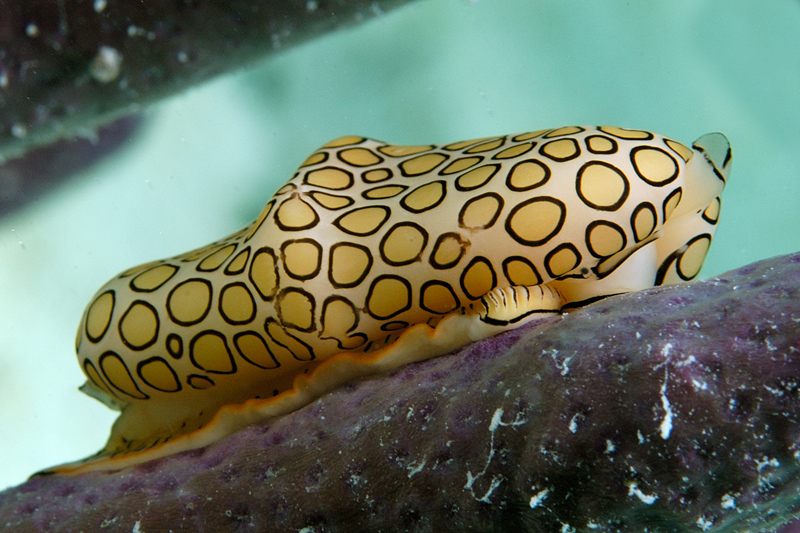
{"x":205,"y":162}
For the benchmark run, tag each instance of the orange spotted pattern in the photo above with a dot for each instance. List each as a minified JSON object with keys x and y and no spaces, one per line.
{"x":367,"y":239}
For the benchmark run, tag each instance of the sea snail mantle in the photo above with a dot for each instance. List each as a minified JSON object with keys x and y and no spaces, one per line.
{"x":375,"y":255}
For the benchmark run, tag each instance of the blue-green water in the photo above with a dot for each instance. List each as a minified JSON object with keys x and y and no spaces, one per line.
{"x":437,"y":71}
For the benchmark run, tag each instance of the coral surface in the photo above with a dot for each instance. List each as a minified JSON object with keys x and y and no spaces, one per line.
{"x":670,"y":409}
{"x":66,"y":66}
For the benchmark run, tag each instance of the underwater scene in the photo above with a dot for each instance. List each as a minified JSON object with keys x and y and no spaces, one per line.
{"x":201,"y":163}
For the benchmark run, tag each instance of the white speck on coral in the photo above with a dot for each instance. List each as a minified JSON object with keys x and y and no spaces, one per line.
{"x":704,"y":523}
{"x":634,"y":490}
{"x":135,"y":31}
{"x":416,"y":468}
{"x":609,"y":447}
{"x":32,"y":30}
{"x":573,"y":423}
{"x":728,"y":502}
{"x":765,"y":462}
{"x":688,"y":361}
{"x":638,"y":335}
{"x":106,"y":64}
{"x":307,"y":529}
{"x":410,"y":413}
{"x":538,"y":498}
{"x":19,"y":130}
{"x":137,"y":527}
{"x":566,"y":528}
{"x":99,"y":6}
{"x":699,"y":385}
{"x":640,"y":436}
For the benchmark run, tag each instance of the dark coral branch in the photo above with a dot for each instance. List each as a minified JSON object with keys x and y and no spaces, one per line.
{"x":71,"y":64}
{"x":671,"y":409}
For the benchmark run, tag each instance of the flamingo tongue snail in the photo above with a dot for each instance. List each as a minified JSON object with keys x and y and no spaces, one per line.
{"x":373,"y":256}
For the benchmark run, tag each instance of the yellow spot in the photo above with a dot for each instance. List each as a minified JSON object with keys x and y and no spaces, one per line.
{"x":690,"y":261}
{"x":360,"y":157}
{"x":605,"y":239}
{"x":561,"y":150}
{"x":644,"y":221}
{"x":137,"y":268}
{"x":535,"y":221}
{"x":313,"y":159}
{"x":331,"y":201}
{"x":602,"y":186}
{"x":374,"y":176}
{"x":254,"y":350}
{"x":438,"y":297}
{"x":421,"y":164}
{"x":623,"y":133}
{"x":672,"y":202}
{"x":424,"y":197}
{"x":215,"y":260}
{"x":189,"y":302}
{"x":199,"y":382}
{"x":403,"y":244}
{"x":601,"y":145}
{"x":338,"y":319}
{"x":139,"y":325}
{"x":480,"y":212}
{"x":685,"y":152}
{"x":152,"y":279}
{"x":301,"y":258}
{"x":119,"y":376}
{"x":388,"y":296}
{"x":344,"y":141}
{"x":528,"y":136}
{"x":562,"y":261}
{"x":98,"y":316}
{"x":158,"y":374}
{"x":349,"y":264}
{"x":463,"y":144}
{"x":400,"y":151}
{"x":519,"y":271}
{"x":448,"y":250}
{"x":486,"y":146}
{"x":655,"y":166}
{"x":264,"y":274}
{"x":386,"y":191}
{"x":569,"y":130}
{"x":94,"y":376}
{"x":514,"y":151}
{"x":296,"y":309}
{"x":461,"y":164}
{"x":711,"y":214}
{"x":236,"y":304}
{"x":260,"y":220}
{"x":528,"y":175}
{"x":239,"y":262}
{"x":209,"y":351}
{"x":363,"y":220}
{"x":294,"y":214}
{"x":329,"y":178}
{"x":476,"y":177}
{"x":479,"y":278}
